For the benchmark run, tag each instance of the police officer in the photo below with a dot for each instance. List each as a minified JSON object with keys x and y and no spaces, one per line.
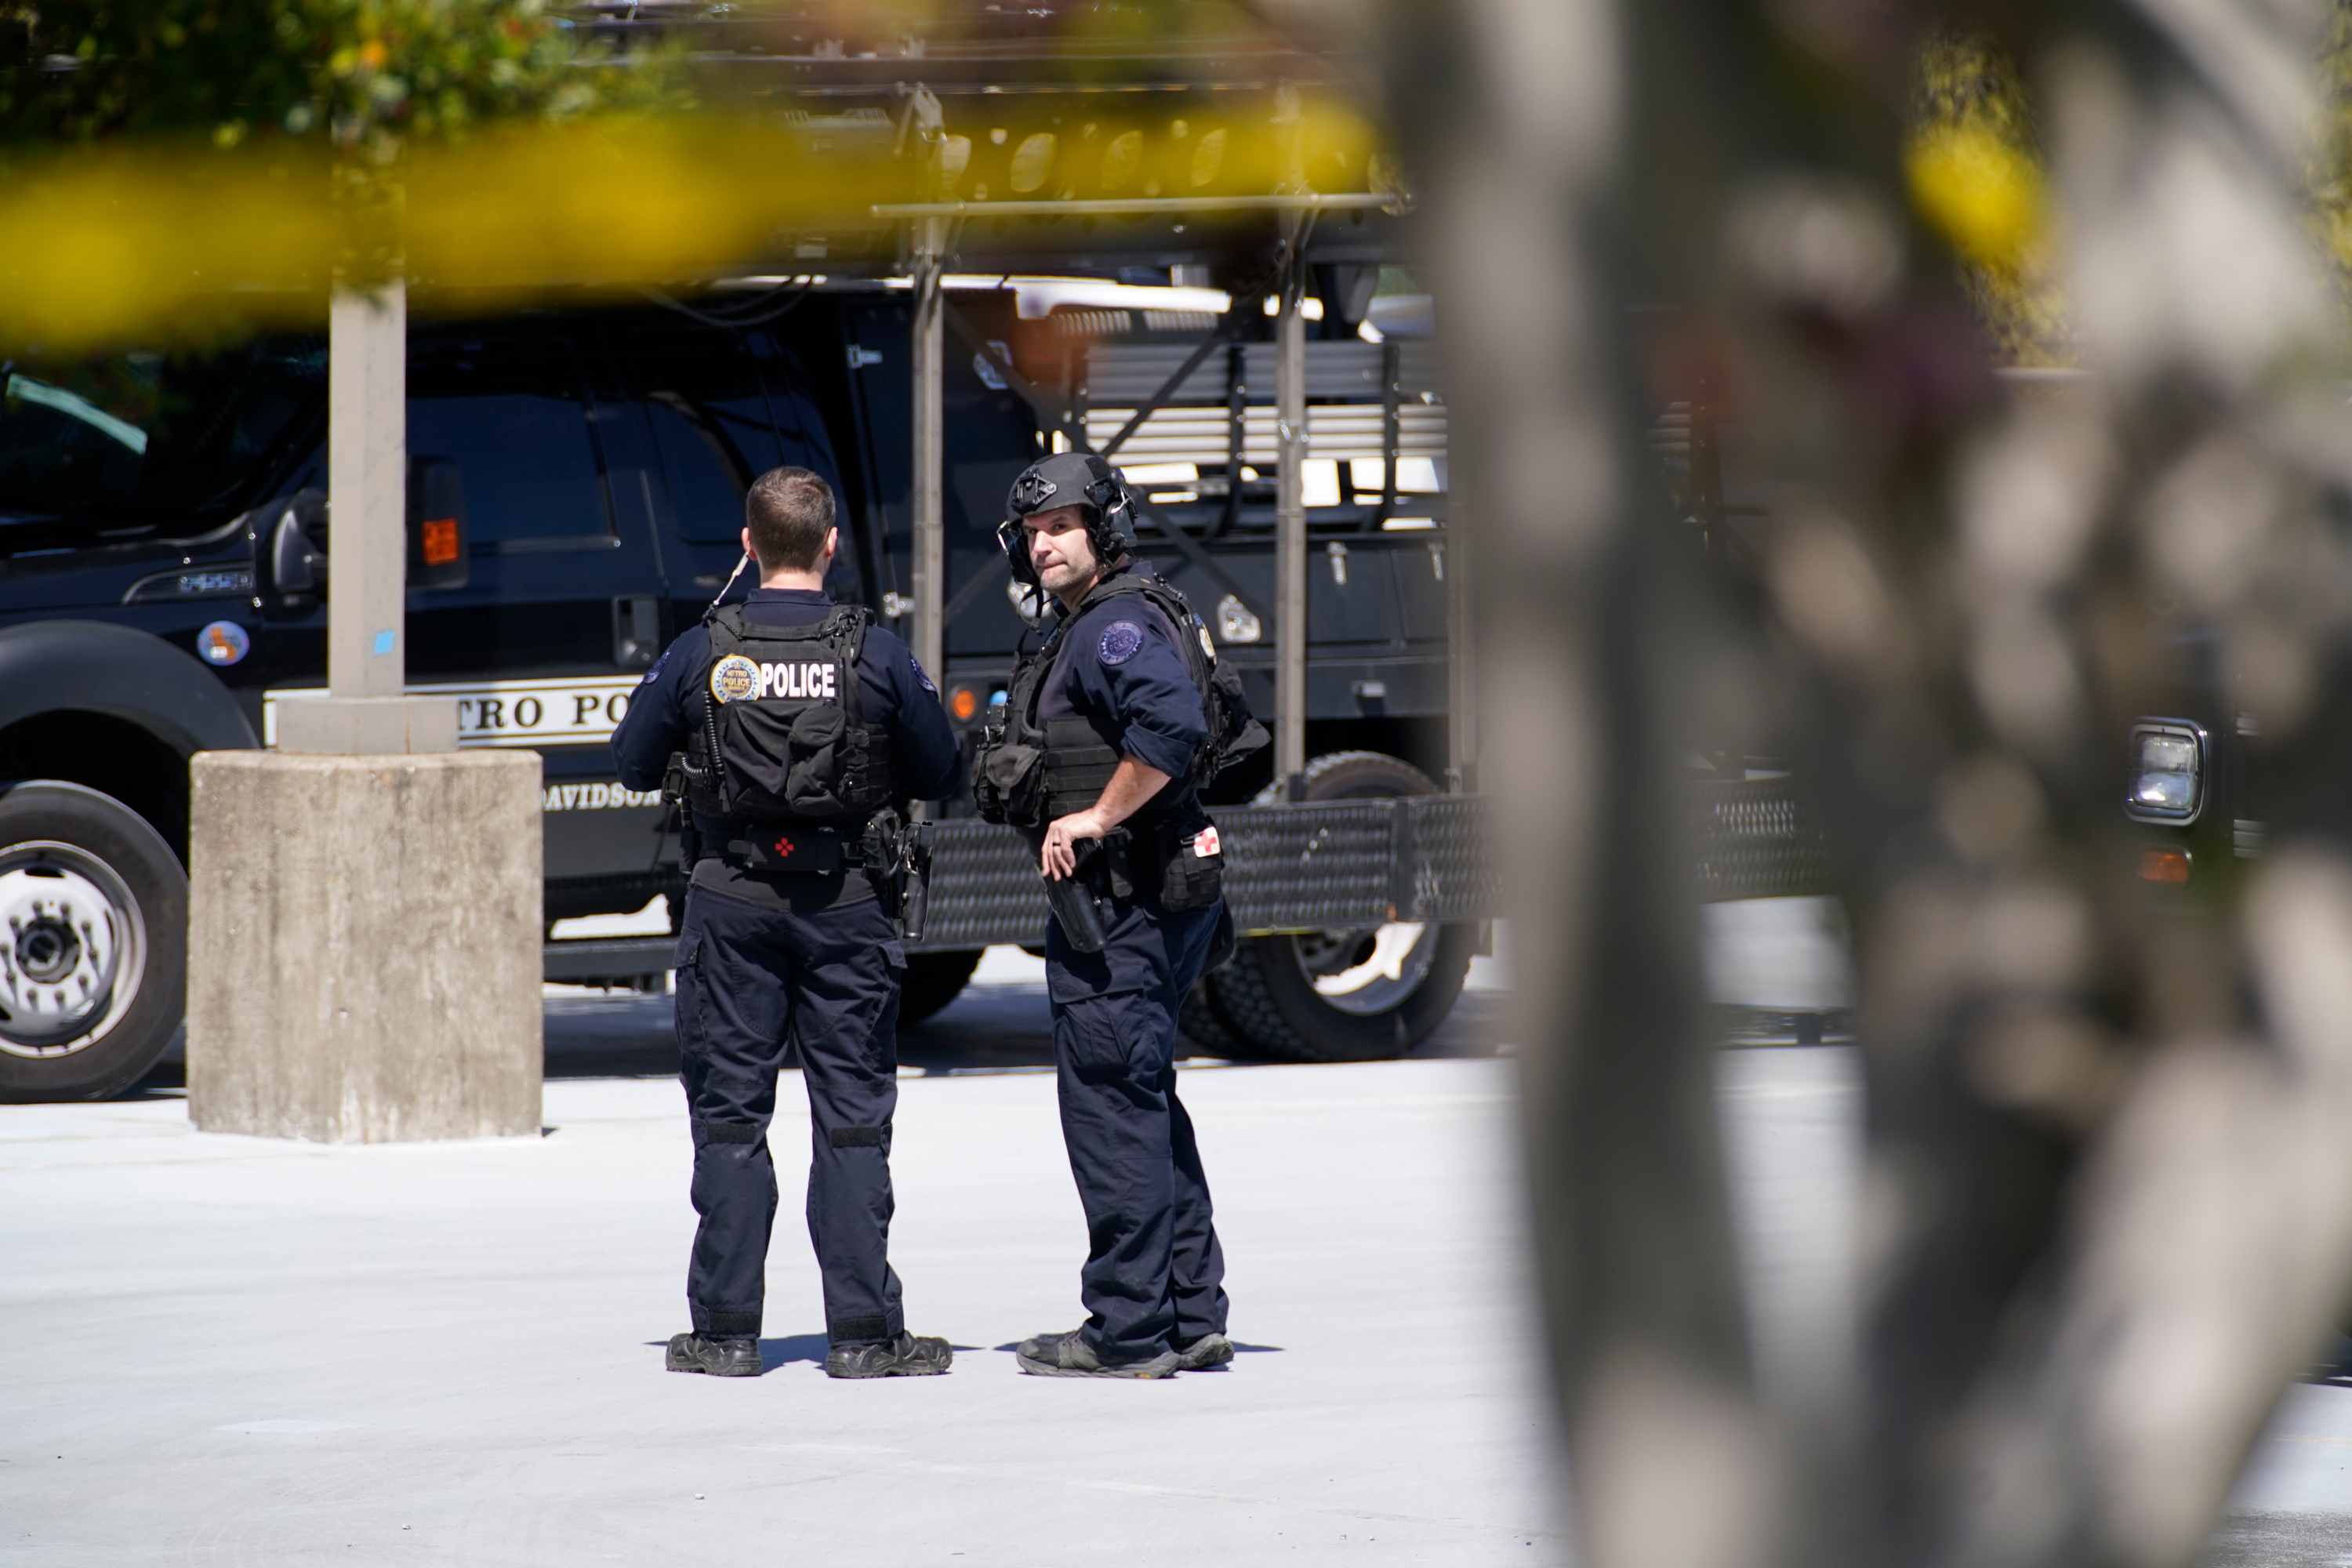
{"x":1101,"y":759}
{"x":801,"y":726}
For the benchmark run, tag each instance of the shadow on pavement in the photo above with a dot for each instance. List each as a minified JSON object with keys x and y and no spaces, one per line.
{"x":989,"y":1028}
{"x":774,"y":1353}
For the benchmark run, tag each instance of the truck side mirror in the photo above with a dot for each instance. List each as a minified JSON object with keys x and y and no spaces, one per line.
{"x":438,"y":556}
{"x":292,"y":561}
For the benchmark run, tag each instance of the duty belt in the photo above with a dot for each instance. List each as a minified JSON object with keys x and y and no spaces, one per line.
{"x":820,"y":851}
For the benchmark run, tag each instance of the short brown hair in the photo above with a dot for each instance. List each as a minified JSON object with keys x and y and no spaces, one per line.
{"x":788,"y":511}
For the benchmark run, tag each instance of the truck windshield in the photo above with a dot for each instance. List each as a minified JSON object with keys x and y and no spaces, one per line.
{"x":145,"y":445}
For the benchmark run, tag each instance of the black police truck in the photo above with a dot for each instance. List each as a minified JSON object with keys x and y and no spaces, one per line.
{"x":576,"y":484}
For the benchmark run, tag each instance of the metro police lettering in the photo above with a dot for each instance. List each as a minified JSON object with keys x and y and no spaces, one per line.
{"x":526,"y":714}
{"x":542,"y":711}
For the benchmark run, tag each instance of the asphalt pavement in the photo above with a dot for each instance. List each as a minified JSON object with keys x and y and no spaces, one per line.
{"x":217,"y":1349}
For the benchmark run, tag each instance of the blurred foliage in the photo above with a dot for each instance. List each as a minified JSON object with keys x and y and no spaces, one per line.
{"x":2331,"y":182}
{"x":364,"y":75}
{"x":165,"y":166}
{"x":1974,"y":164}
{"x":323,"y":95}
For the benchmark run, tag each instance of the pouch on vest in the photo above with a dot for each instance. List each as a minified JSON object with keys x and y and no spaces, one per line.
{"x":1009,"y":783}
{"x":1193,"y":868}
{"x":789,"y":765}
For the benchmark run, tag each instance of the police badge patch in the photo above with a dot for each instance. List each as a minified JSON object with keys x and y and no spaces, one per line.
{"x":734,"y":679}
{"x":1119,"y":641}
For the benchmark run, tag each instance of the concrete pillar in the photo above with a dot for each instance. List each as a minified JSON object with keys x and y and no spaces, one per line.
{"x":1290,"y":525}
{"x":1461,"y":651}
{"x":1290,"y":454}
{"x":363,"y":945}
{"x":367,"y":482}
{"x":930,"y":441}
{"x":365,"y":710}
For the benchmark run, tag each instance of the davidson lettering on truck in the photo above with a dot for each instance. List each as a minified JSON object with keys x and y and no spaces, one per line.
{"x":595,"y":798}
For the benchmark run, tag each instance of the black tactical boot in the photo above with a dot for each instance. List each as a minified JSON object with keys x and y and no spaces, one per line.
{"x":1069,"y":1355}
{"x":1208,"y":1350}
{"x":719,"y":1358}
{"x":905,"y":1356}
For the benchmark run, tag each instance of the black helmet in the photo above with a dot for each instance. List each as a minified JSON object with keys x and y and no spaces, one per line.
{"x":1069,"y":479}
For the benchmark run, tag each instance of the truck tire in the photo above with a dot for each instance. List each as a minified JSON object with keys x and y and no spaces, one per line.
{"x":1346,"y":995}
{"x":934,"y":980}
{"x":1200,"y":1022}
{"x":94,"y":944}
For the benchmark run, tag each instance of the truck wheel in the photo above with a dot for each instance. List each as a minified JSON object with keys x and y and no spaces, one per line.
{"x":94,"y":944}
{"x":934,"y":980}
{"x":1200,"y":1022}
{"x":1356,"y":995}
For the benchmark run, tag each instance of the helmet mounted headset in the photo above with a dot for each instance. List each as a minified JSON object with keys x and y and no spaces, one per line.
{"x":1068,"y":479}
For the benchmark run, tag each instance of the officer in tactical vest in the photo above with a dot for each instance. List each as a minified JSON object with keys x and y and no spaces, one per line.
{"x":797,"y":731}
{"x":1099,"y":756}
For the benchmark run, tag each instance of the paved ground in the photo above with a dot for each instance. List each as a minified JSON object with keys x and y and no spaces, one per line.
{"x":230,"y":1349}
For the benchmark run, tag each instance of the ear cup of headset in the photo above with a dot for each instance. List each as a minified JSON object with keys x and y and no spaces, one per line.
{"x":1013,"y":539}
{"x":1113,"y":530}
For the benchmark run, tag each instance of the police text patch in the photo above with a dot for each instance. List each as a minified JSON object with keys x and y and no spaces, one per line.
{"x":735,"y":679}
{"x":1119,"y":641}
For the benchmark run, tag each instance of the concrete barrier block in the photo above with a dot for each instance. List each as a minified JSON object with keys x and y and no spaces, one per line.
{"x":363,"y":945}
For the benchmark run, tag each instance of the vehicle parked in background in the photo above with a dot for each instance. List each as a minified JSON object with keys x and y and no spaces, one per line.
{"x":2190,"y":788}
{"x":576,"y":485}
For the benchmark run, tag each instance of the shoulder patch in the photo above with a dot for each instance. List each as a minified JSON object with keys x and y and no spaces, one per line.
{"x":734,"y":678}
{"x":922,"y":679}
{"x":1120,"y":639}
{"x":655,"y":673}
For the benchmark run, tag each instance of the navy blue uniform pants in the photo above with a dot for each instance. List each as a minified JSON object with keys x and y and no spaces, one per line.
{"x":1154,"y":1277}
{"x":753,"y":982}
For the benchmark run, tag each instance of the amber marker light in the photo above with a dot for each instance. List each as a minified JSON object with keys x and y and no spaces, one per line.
{"x":963,"y":704}
{"x":2169,"y":866}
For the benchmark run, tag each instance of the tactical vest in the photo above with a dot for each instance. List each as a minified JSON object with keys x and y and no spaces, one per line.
{"x":785,"y":737}
{"x":1029,"y":772}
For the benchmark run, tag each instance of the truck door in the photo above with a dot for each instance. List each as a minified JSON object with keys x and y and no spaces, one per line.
{"x":561,"y":614}
{"x":717,"y":409}
{"x":550,"y":545}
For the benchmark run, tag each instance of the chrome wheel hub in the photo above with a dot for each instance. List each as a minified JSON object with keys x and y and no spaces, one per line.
{"x":72,"y":947}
